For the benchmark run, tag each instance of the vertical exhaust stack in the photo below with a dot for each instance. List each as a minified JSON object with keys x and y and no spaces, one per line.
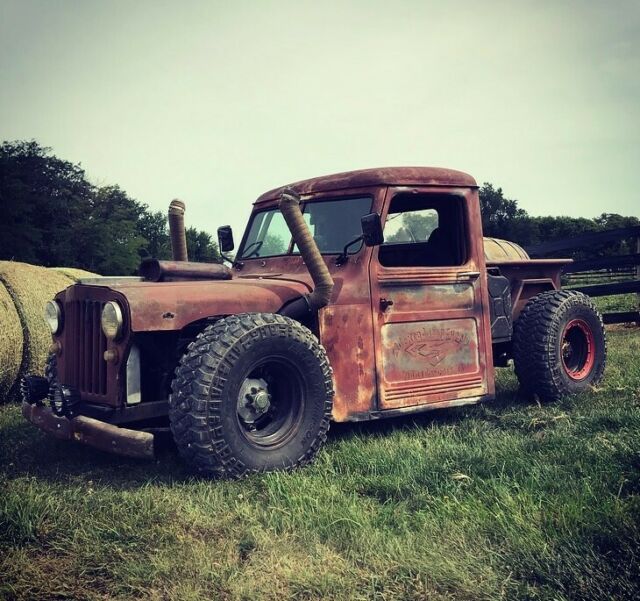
{"x":290,"y":208}
{"x":176,"y":230}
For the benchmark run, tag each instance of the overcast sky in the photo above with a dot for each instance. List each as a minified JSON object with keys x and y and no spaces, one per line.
{"x":216,"y":102}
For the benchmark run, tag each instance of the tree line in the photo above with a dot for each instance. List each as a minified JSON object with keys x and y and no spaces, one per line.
{"x":52,"y":215}
{"x":503,"y":218}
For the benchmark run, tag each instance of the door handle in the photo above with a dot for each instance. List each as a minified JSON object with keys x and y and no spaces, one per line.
{"x":385,"y":303}
{"x":468,"y":275}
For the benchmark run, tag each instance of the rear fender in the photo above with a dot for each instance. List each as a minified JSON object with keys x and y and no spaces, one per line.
{"x":527,"y":289}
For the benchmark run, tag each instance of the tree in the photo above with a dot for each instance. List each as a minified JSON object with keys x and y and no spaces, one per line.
{"x":501,"y":217}
{"x":610,"y":221}
{"x":109,"y":238}
{"x":152,"y":226}
{"x":52,"y":215}
{"x":201,"y":247}
{"x":41,"y":197}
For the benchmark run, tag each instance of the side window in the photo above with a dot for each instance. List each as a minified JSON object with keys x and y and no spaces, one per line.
{"x":424,"y":230}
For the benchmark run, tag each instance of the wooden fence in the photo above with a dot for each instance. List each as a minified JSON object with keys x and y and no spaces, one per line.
{"x":603,"y":276}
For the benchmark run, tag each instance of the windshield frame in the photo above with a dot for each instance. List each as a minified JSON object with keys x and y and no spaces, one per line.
{"x":303,"y":205}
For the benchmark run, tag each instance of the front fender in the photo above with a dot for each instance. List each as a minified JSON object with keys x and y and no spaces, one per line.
{"x":167,"y":306}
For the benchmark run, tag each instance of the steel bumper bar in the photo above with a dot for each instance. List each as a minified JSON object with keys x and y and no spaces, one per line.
{"x":92,"y":432}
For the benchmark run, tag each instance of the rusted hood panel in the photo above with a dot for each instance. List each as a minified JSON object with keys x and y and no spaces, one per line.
{"x":173,"y":305}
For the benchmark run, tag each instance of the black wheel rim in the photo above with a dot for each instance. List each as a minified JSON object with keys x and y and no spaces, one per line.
{"x":271,"y":401}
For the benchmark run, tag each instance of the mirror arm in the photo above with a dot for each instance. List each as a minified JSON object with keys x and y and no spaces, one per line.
{"x":233,"y":262}
{"x":343,"y":258}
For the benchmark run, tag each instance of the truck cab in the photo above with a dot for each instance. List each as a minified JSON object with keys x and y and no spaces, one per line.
{"x":408,"y":322}
{"x":351,"y":297}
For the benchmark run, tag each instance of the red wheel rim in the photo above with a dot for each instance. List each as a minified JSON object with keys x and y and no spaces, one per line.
{"x":578,"y":349}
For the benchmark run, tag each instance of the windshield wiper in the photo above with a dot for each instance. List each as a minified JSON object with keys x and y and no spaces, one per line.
{"x":254,"y":252}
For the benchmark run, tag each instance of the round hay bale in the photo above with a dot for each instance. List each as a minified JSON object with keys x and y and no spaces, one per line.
{"x":10,"y":344}
{"x":74,"y":273}
{"x":30,"y":288}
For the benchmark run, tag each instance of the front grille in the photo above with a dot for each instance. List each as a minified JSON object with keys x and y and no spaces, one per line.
{"x":85,"y":367}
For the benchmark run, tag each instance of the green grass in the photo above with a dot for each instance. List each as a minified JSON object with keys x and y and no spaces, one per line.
{"x":510,"y":500}
{"x":620,"y":302}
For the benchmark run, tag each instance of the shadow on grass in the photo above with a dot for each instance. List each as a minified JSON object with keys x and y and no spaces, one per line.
{"x":25,"y":451}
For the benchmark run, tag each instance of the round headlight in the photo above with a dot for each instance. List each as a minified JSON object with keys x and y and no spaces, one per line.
{"x":53,"y":316}
{"x":111,"y":320}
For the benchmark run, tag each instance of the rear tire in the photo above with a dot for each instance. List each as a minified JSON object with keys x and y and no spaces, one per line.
{"x":559,"y":344}
{"x":253,"y":393}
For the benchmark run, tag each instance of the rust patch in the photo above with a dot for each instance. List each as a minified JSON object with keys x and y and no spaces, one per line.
{"x":352,"y":360}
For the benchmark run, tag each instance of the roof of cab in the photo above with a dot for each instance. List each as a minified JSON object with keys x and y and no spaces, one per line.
{"x":393,"y":176}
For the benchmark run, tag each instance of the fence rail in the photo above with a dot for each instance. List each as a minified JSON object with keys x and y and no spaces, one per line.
{"x":602,"y":276}
{"x":604,"y":263}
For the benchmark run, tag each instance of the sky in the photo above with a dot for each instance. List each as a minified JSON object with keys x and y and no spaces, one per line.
{"x":216,"y":102}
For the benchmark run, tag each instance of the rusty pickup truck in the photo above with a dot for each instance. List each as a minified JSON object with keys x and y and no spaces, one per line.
{"x":354,"y":296}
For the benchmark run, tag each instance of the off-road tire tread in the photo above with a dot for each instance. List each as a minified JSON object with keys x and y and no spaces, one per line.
{"x":194,"y":410}
{"x":536,"y":363}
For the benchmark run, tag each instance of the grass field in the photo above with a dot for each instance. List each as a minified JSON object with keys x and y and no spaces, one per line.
{"x":510,"y":500}
{"x":621,"y":302}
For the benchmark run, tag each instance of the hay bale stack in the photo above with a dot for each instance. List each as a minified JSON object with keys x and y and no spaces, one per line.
{"x":10,"y":343}
{"x":29,"y":287}
{"x":74,"y":273}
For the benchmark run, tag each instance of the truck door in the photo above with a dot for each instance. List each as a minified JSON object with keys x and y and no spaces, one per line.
{"x":429,"y":299}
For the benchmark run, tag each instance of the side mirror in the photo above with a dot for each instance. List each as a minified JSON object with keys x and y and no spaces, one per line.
{"x":225,"y":238}
{"x":372,"y":229}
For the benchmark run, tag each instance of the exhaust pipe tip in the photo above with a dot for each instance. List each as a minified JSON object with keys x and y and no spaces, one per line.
{"x":177,"y":232}
{"x":177,"y":207}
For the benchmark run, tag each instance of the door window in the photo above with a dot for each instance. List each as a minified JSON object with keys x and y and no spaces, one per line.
{"x":424,"y":230}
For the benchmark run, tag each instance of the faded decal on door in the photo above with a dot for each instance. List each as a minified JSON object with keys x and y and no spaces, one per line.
{"x":429,"y":349}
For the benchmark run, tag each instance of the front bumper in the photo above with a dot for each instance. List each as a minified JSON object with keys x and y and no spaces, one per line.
{"x":92,"y":432}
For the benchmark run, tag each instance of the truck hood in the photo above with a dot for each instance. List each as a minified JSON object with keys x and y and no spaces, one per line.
{"x":173,"y":305}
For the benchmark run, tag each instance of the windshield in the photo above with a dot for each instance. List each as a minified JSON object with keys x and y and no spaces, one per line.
{"x":333,"y":224}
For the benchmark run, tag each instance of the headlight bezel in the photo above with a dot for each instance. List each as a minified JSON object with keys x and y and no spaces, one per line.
{"x":108,"y":330}
{"x":56,"y":319}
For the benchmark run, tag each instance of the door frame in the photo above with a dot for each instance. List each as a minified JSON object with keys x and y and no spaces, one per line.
{"x":421,"y":295}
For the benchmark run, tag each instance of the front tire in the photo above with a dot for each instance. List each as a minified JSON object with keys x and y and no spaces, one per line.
{"x":253,"y":393}
{"x":559,"y":344}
